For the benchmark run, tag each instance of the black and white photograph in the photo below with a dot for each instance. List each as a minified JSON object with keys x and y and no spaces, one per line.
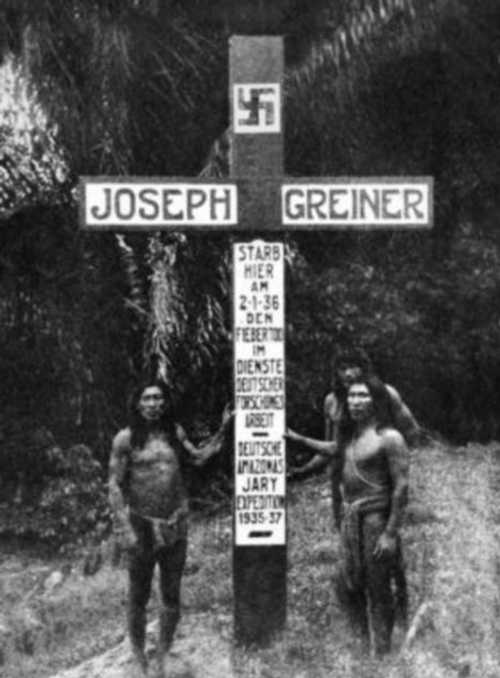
{"x":250,"y":339}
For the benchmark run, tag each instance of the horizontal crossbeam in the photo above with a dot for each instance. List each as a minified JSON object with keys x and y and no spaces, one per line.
{"x":256,"y":204}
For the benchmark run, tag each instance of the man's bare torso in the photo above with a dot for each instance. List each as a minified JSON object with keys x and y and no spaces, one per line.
{"x":365,"y":471}
{"x":155,"y":483}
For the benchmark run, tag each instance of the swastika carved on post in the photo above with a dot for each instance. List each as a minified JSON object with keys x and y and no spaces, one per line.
{"x":257,"y":108}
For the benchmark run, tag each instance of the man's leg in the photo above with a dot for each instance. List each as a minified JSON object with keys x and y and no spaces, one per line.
{"x":355,"y":605}
{"x":349,"y":588}
{"x":401,"y":587}
{"x":171,"y":560}
{"x":378,"y":572}
{"x":140,"y":570}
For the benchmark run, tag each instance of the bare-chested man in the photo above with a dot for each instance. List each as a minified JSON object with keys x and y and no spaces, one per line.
{"x":349,"y":365}
{"x":372,"y":461}
{"x":150,"y":506}
{"x":375,"y":464}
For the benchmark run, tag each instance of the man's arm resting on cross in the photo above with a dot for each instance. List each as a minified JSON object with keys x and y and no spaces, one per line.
{"x":316,"y":463}
{"x":323,"y":448}
{"x":200,"y":454}
{"x":324,"y":451}
{"x":398,"y":463}
{"x":322,"y":457}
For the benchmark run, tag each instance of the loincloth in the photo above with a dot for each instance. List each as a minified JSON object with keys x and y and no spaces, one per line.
{"x":351,"y":538}
{"x":158,"y":533}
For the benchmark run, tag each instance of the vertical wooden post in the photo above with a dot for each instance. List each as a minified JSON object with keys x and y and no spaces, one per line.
{"x":256,"y":82}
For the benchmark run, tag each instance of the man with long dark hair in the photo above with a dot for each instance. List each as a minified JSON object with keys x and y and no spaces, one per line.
{"x":348,"y":365}
{"x":150,"y":505}
{"x":371,"y":459}
{"x":375,"y":465}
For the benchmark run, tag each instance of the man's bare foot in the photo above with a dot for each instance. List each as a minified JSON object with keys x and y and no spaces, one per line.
{"x":139,"y":668}
{"x":172,"y":666}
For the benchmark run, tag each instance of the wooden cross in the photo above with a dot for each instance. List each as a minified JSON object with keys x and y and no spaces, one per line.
{"x":257,"y":197}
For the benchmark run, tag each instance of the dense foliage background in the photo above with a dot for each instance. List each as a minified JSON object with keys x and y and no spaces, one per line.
{"x":374,"y":87}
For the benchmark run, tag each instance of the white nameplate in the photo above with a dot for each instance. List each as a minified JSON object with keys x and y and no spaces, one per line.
{"x":357,"y":203}
{"x":259,"y":387}
{"x":157,"y":204}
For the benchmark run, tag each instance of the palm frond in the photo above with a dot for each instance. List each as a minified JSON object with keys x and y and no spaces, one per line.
{"x":137,"y":300}
{"x":32,"y":166}
{"x":167,"y":310}
{"x":189,"y":289}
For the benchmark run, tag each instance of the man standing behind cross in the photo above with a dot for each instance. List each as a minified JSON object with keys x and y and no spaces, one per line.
{"x":150,"y":506}
{"x":348,"y":365}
